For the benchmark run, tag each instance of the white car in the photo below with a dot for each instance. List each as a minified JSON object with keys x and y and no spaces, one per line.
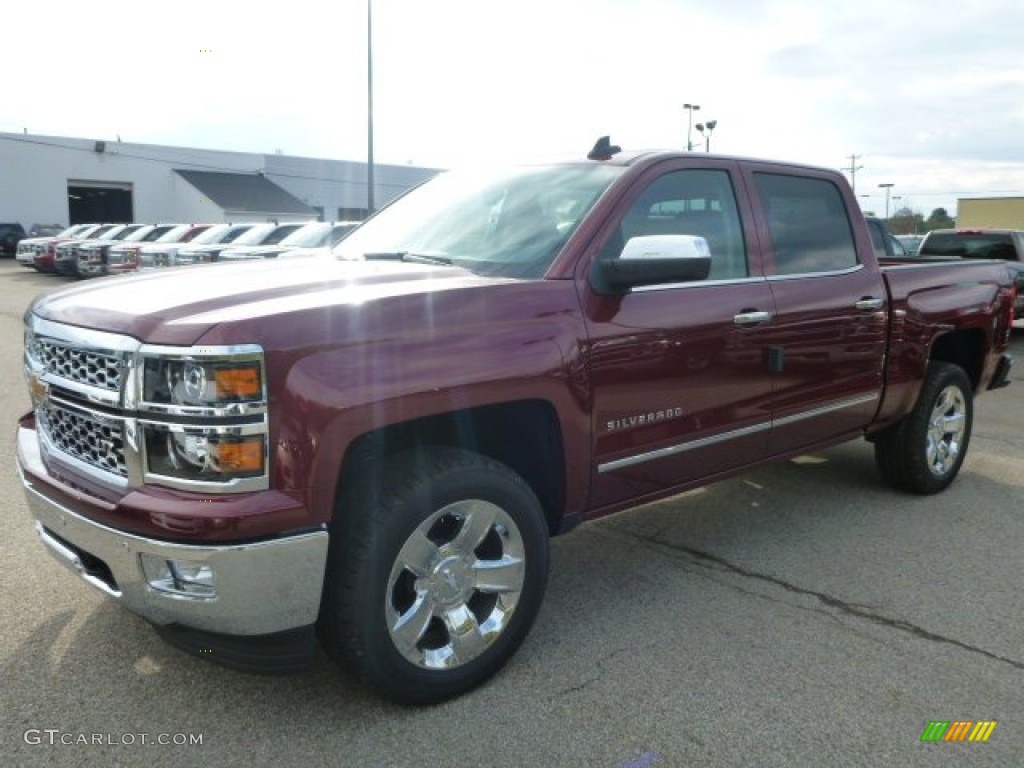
{"x":316,"y":234}
{"x":30,"y":246}
{"x":159,"y":252}
{"x":208,"y":245}
{"x":269,"y":235}
{"x":68,"y":260}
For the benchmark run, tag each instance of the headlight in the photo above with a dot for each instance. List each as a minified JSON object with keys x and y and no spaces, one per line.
{"x":203,"y":417}
{"x":199,"y":382}
{"x":205,"y":454}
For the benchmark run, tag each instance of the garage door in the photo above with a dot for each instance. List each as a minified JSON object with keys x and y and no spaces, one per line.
{"x":96,"y":201}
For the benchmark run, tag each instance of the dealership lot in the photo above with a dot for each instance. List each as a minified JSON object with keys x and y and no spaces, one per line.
{"x":800,"y":615}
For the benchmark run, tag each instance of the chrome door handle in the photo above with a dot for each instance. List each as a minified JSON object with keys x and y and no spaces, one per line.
{"x":751,"y":317}
{"x":869,"y":302}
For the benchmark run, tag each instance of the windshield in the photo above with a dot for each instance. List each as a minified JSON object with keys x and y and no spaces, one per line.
{"x":139,"y":234}
{"x":212,"y":235}
{"x":174,"y":233}
{"x":99,"y":231}
{"x":154,"y":234}
{"x":280,"y":234}
{"x":126,"y":233}
{"x":508,"y":223}
{"x":117,"y":232}
{"x":254,"y":236}
{"x":309,"y":236}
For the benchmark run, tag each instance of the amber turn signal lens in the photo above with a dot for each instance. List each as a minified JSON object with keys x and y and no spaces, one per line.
{"x":238,"y":383}
{"x":245,"y":456}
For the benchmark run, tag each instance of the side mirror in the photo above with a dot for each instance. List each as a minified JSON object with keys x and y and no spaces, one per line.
{"x":652,"y":260}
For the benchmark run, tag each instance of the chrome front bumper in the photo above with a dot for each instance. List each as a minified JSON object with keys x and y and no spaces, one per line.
{"x":262,"y":587}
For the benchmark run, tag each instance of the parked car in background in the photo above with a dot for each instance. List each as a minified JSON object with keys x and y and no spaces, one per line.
{"x":45,"y":258}
{"x":96,"y":263}
{"x":267,"y":235}
{"x":11,"y":233}
{"x":1005,"y":244}
{"x":28,"y":247}
{"x":45,"y":230}
{"x":1001,"y":244}
{"x":208,"y":246}
{"x":163,"y":249}
{"x":316,"y":234}
{"x":885,"y":244}
{"x":69,"y":254}
{"x":158,"y":255}
{"x":910,"y":242}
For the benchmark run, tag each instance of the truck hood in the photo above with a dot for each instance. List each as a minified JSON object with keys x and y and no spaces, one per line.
{"x":180,"y":305}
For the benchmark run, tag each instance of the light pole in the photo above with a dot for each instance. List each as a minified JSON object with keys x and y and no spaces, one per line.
{"x":370,"y":203}
{"x":709,"y":126}
{"x":888,"y":190}
{"x":690,"y":109}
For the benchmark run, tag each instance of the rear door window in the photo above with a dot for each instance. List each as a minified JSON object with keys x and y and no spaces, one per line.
{"x":808,"y":224}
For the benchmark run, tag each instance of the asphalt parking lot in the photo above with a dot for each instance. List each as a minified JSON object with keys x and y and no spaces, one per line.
{"x":800,"y":615}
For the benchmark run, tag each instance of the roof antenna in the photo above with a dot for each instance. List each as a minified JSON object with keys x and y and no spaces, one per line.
{"x":603,"y":149}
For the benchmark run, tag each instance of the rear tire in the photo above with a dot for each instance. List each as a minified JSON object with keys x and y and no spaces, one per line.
{"x":923,"y":453}
{"x":435,"y":574}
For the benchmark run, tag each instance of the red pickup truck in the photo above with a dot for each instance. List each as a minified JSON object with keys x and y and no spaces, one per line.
{"x":376,"y":448}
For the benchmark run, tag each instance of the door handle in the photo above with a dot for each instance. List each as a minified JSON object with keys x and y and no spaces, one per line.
{"x":870,"y":303}
{"x":751,"y":317}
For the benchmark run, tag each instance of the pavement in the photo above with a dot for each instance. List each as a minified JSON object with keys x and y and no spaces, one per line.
{"x":799,"y":615}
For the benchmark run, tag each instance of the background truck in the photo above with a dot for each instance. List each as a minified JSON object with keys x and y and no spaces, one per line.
{"x":375,"y":448}
{"x":1003,"y":244}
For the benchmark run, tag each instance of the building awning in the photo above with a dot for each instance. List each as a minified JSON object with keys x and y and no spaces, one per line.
{"x":246,"y":193}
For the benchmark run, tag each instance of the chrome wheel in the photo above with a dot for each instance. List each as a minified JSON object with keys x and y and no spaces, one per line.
{"x":947,"y":426}
{"x":455,"y":584}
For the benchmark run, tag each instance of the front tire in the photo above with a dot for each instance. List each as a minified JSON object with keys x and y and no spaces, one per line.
{"x":924,"y":452}
{"x":435,"y":574}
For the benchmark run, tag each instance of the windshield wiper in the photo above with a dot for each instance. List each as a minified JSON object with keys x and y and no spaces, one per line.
{"x":408,"y":256}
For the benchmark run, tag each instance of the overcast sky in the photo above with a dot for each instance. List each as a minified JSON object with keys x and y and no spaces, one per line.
{"x":928,"y":95}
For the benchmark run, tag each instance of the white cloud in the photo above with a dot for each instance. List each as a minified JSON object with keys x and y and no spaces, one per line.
{"x":934,"y":97}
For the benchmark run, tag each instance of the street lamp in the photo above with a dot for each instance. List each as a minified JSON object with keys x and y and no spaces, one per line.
{"x":888,"y":190}
{"x":709,"y":126}
{"x":690,"y":109}
{"x":370,"y":203}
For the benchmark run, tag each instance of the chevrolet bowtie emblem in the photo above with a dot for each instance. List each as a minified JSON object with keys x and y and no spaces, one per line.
{"x":38,"y":389}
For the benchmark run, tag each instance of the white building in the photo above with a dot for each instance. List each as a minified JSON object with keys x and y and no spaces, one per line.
{"x":61,"y":180}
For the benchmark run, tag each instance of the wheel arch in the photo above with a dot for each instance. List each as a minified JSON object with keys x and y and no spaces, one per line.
{"x":965,"y":348}
{"x":524,"y":435}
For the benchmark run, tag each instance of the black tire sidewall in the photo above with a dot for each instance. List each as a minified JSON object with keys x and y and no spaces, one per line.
{"x":917,"y":473}
{"x":408,"y":499}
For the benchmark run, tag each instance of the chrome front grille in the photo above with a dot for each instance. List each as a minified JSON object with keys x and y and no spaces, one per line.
{"x":99,"y":427}
{"x":80,"y":366}
{"x":87,"y":437}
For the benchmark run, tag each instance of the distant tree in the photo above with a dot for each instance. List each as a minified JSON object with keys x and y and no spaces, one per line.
{"x":906,"y":222}
{"x":939,"y":219}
